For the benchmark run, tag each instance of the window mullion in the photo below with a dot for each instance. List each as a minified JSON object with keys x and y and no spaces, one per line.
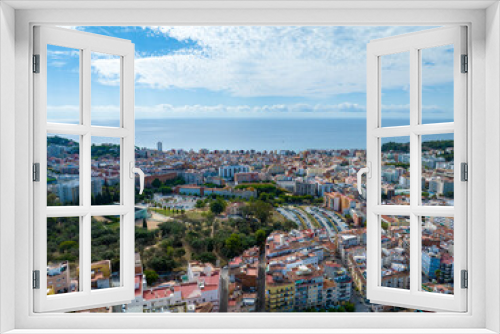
{"x":414,"y":168}
{"x":85,"y":275}
{"x":86,"y":140}
{"x":86,"y":174}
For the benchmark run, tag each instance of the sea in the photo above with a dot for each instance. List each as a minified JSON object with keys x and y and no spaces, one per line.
{"x":258,"y":134}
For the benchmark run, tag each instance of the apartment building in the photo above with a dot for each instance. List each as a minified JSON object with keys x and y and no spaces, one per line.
{"x":280,"y":293}
{"x":58,"y":278}
{"x":246,"y":177}
{"x":228,"y":172}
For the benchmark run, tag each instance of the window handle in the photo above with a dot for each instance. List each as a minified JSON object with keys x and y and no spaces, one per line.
{"x":366,"y":170}
{"x":134,"y":170}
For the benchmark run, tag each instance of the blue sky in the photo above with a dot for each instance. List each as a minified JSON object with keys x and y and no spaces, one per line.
{"x":219,"y":72}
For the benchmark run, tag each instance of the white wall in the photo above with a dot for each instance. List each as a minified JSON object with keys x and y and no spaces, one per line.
{"x":278,"y":16}
{"x":7,"y":160}
{"x":492,"y":164}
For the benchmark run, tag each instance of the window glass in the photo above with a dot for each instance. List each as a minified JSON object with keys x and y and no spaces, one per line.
{"x":63,"y":85}
{"x":395,"y":171}
{"x":437,"y":84}
{"x":395,"y":89}
{"x":438,"y":170}
{"x":105,"y":256}
{"x":437,"y":255}
{"x":63,"y":255}
{"x":63,"y":170}
{"x":105,"y":89}
{"x":105,"y":164}
{"x":395,"y":252}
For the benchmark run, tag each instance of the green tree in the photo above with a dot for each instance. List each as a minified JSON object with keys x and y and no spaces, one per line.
{"x":67,"y":245}
{"x":264,"y":197}
{"x":151,"y":276}
{"x":218,"y":206}
{"x":179,"y":252}
{"x":260,"y":236}
{"x":200,"y":204}
{"x":233,"y":244}
{"x":349,"y":307}
{"x":206,"y":257}
{"x":165,"y":190}
{"x":261,"y":210}
{"x":162,"y":263}
{"x":156,"y":183}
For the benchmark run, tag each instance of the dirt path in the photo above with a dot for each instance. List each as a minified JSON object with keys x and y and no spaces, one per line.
{"x":188,"y":250}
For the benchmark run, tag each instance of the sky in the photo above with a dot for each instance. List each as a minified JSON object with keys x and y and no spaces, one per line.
{"x":249,"y":72}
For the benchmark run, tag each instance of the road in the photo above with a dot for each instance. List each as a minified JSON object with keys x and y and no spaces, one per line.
{"x":359,"y":302}
{"x":290,"y":216}
{"x":304,"y":217}
{"x":261,"y":284}
{"x":322,"y":220}
{"x":224,"y":289}
{"x":339,"y":223}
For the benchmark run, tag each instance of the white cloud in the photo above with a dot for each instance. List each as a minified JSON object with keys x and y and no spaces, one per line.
{"x":293,"y":110}
{"x":267,"y":61}
{"x":70,"y":113}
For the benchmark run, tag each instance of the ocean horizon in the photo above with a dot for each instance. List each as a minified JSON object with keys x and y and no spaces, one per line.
{"x":255,"y":134}
{"x":251,"y":134}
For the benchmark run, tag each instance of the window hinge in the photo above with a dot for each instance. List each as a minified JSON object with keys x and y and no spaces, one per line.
{"x":464,"y":171}
{"x":36,"y":172}
{"x":36,"y":279}
{"x":36,"y":63}
{"x":465,"y":279}
{"x":465,"y":64}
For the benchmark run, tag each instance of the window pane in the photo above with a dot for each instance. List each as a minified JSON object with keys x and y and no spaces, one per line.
{"x":63,"y":254}
{"x":395,"y":171}
{"x":63,"y":170}
{"x":437,"y":84}
{"x":395,"y":252}
{"x":105,"y":89}
{"x":105,"y":171}
{"x":105,"y":267}
{"x":437,"y":254}
{"x":63,"y":85}
{"x":437,"y":170}
{"x":395,"y":92}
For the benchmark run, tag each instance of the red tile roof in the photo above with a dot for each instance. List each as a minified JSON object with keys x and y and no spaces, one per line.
{"x":156,"y":293}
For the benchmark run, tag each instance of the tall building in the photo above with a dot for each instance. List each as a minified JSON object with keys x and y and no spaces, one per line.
{"x":280,"y":293}
{"x":159,"y":146}
{"x":69,"y":192}
{"x":228,"y":172}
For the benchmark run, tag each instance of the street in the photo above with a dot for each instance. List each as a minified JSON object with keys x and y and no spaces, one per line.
{"x":224,"y":289}
{"x":359,"y":302}
{"x":261,"y":284}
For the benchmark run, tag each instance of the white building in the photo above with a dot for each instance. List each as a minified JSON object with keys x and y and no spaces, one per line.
{"x":227,"y":172}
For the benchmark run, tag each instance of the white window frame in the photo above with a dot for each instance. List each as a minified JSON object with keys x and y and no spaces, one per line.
{"x":482,"y":314}
{"x":413,"y":44}
{"x":86,"y":43}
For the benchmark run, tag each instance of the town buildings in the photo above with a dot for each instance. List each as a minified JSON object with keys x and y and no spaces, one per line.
{"x":313,"y":267}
